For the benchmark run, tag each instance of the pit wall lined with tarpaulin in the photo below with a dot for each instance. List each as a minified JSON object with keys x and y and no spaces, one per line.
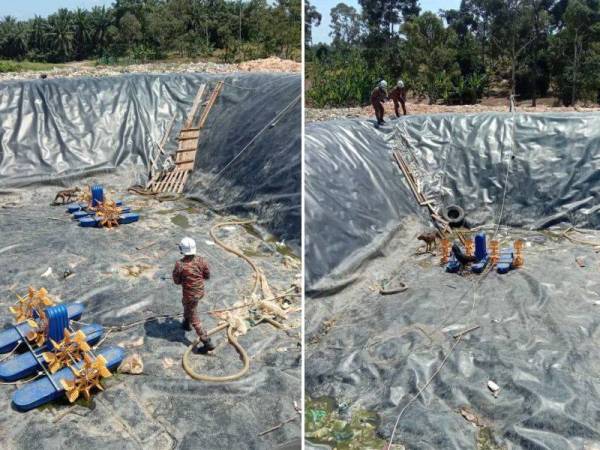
{"x":356,"y":196}
{"x":62,"y":131}
{"x":396,"y":358}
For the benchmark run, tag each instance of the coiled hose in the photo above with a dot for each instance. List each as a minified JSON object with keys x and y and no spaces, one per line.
{"x":230,"y":336}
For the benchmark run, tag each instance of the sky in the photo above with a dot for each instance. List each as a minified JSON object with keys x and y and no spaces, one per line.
{"x":321,"y":33}
{"x":26,"y":9}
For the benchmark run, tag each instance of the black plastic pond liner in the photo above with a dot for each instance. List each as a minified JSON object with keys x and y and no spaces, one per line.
{"x":162,"y":408}
{"x":356,"y":195}
{"x":60,"y":131}
{"x":538,"y":326}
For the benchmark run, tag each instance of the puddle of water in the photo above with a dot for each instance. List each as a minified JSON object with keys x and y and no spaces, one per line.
{"x":280,"y":248}
{"x":181,"y":221}
{"x":324,"y":425}
{"x":486,"y":441}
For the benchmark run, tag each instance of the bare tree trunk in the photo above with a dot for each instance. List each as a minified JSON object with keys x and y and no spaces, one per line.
{"x":575,"y":62}
{"x":513,"y":67}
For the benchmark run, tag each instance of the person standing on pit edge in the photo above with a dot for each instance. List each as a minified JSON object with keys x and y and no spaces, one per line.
{"x":378,"y":96}
{"x":398,"y":96}
{"x":190,"y":272}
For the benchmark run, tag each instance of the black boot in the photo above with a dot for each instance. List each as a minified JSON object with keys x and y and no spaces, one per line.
{"x":207,"y":346}
{"x":186,"y":325}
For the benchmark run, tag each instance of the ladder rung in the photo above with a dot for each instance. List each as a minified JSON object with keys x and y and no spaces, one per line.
{"x":187,"y":138}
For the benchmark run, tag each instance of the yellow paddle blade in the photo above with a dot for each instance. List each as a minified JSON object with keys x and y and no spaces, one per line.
{"x":79,"y":336}
{"x":32,"y":323}
{"x":84,"y":346}
{"x":86,"y":392}
{"x":55,"y":366}
{"x":72,"y":395}
{"x":104,"y":372}
{"x":48,"y":356}
{"x":65,"y":384}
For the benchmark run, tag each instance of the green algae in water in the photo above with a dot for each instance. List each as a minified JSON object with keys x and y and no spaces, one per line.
{"x":181,"y":221}
{"x":486,"y":441}
{"x":324,"y":425}
{"x":280,"y":248}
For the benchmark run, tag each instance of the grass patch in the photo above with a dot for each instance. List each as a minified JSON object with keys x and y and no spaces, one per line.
{"x":25,"y":66}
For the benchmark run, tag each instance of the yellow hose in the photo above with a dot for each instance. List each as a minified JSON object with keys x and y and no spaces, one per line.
{"x":233,"y":341}
{"x":230,"y":337}
{"x":234,"y":250}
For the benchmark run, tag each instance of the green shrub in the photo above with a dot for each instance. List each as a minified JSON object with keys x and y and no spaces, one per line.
{"x":343,"y":81}
{"x":8,"y":66}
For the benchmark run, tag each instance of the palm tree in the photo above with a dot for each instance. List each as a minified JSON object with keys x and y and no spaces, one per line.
{"x":100,"y":22}
{"x":61,"y":34}
{"x":38,"y":31}
{"x":82,"y":33}
{"x":13,"y":38}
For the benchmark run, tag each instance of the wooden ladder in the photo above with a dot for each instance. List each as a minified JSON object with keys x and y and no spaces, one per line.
{"x":422,"y":200}
{"x":185,"y":155}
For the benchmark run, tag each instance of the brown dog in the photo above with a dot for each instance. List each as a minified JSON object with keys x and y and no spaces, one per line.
{"x":66,"y":195}
{"x":429,"y":239}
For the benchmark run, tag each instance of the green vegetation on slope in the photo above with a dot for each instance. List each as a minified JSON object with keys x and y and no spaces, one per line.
{"x":530,"y":48}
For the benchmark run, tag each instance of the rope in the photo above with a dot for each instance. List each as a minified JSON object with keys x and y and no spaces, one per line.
{"x":268,"y":125}
{"x":8,"y":355}
{"x":476,"y":284}
{"x":508,"y":165}
{"x":20,"y":383}
{"x":401,"y":288}
{"x":125,"y":327}
{"x":443,"y":363}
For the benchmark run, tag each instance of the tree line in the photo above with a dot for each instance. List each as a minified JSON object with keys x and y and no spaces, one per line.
{"x":528,"y":48}
{"x":153,"y":29}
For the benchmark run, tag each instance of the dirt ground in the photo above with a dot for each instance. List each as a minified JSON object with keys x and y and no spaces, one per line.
{"x":88,"y":69}
{"x":416,"y":107}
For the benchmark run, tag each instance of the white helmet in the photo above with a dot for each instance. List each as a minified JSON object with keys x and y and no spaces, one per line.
{"x":383,"y":84}
{"x":187,"y":246}
{"x":400,"y":84}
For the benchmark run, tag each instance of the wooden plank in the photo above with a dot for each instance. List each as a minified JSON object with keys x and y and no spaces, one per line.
{"x":195,"y":106}
{"x":166,"y":135}
{"x":169,"y":182}
{"x":209,"y":105}
{"x":187,"y":138}
{"x":183,"y":161}
{"x":178,"y":187}
{"x":183,"y":181}
{"x":159,"y":183}
{"x":188,"y":145}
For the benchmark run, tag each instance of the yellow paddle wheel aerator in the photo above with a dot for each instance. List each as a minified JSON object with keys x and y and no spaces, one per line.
{"x":88,"y":377}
